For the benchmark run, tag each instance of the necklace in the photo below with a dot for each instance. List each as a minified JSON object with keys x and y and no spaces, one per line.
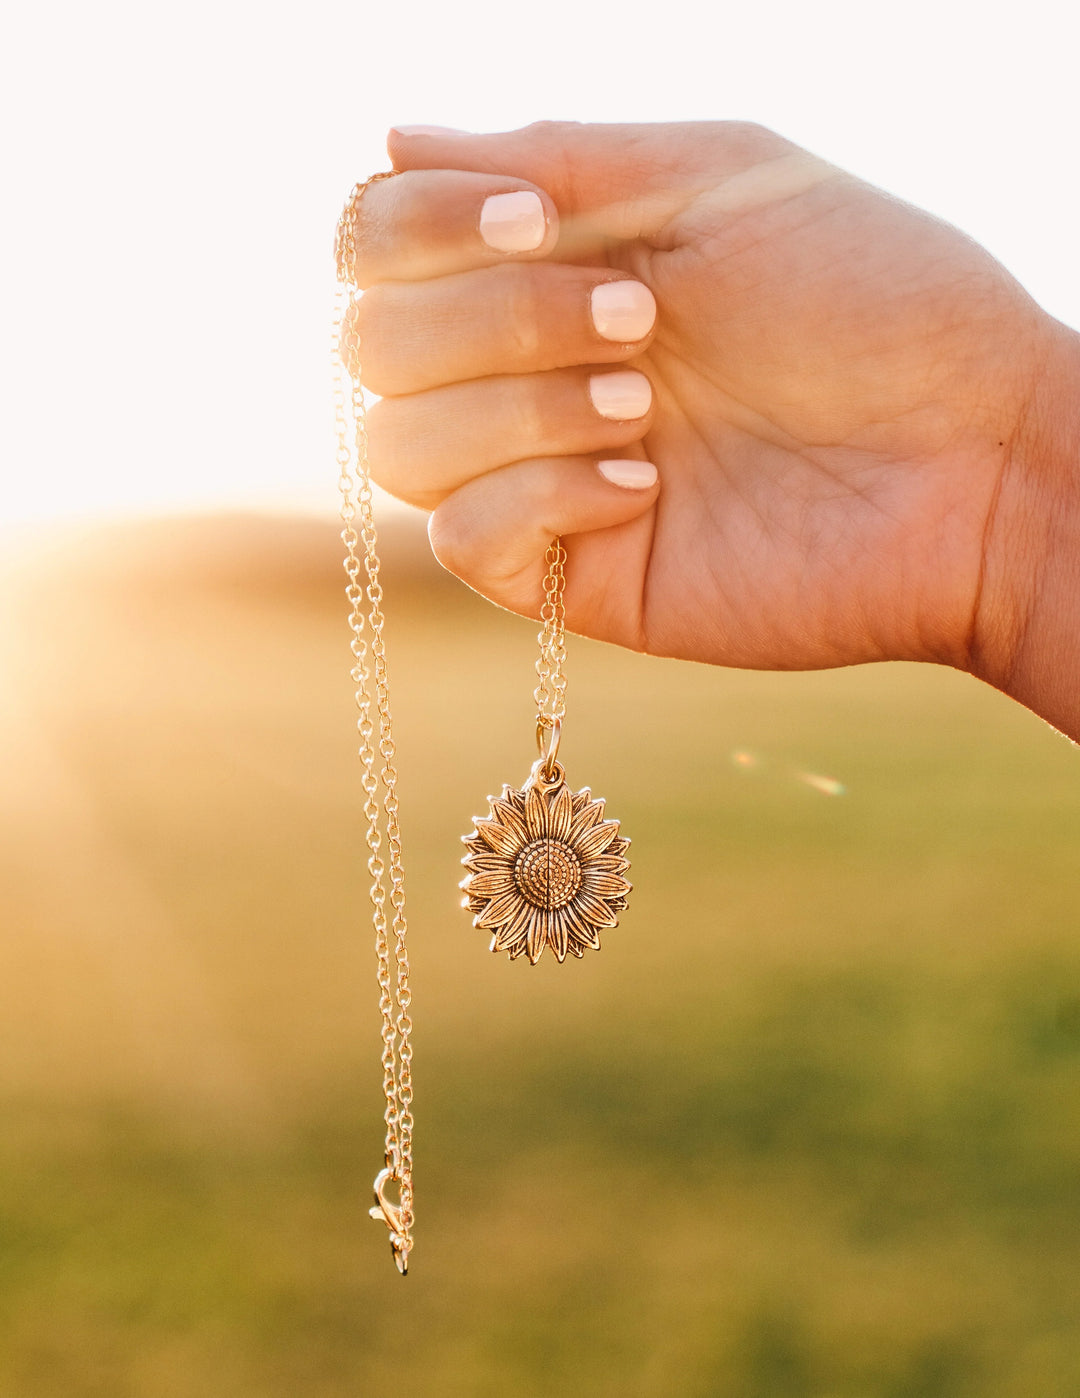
{"x":544,"y":868}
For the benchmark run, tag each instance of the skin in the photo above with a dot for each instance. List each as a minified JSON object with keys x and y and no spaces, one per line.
{"x":866,"y":433}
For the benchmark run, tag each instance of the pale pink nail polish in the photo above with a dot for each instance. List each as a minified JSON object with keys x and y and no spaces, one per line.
{"x":623,"y":311}
{"x":632,"y":475}
{"x":622,"y":395}
{"x":513,"y":222}
{"x":428,"y":131}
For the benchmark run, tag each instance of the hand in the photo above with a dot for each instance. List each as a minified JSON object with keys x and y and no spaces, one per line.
{"x":846,"y":408}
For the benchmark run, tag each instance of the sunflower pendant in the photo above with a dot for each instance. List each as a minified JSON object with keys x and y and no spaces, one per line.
{"x":545,"y":869}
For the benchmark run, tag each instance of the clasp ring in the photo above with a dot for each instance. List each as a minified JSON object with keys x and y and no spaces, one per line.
{"x":386,"y":1211}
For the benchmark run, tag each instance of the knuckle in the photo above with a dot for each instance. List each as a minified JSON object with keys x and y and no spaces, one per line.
{"x":363,"y":313}
{"x":750,"y":138}
{"x":396,"y":452}
{"x":383,"y":441}
{"x":552,"y":132}
{"x":365,"y":260}
{"x":523,"y":304}
{"x":367,"y":325}
{"x":372,"y":227}
{"x":546,"y":492}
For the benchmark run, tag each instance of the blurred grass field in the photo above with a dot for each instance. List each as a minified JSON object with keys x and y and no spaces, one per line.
{"x":809,"y":1127}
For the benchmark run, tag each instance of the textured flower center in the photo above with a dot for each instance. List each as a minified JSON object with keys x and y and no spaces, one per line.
{"x":548,"y":873}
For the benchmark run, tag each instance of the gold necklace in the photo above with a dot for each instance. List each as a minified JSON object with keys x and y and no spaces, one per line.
{"x":369,"y":676}
{"x":544,"y":868}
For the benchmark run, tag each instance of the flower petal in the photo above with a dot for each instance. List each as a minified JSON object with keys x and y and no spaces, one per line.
{"x":537,"y":938}
{"x":484,"y":861}
{"x":499,"y":910}
{"x":493,"y":885}
{"x":608,"y":863}
{"x":560,"y":812}
{"x":557,"y":933}
{"x":594,"y":910}
{"x":604,"y":885}
{"x":506,"y":815}
{"x":536,"y":815}
{"x":596,"y":840}
{"x":581,"y":932}
{"x":501,"y":839}
{"x":511,"y":938}
{"x":585,"y":819}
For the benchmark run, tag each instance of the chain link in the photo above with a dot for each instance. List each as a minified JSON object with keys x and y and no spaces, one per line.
{"x":376,"y":742}
{"x":550,"y":693}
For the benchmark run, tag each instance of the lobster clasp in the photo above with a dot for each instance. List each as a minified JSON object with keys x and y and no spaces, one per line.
{"x":386,"y":1211}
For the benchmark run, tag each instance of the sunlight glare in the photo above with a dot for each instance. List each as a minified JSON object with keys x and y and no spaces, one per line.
{"x":828,"y":786}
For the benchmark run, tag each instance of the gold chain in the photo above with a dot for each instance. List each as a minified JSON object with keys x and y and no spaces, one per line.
{"x":373,"y":724}
{"x":550,"y":692}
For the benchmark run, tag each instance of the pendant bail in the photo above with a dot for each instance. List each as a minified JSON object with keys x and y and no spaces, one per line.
{"x":548,"y":737}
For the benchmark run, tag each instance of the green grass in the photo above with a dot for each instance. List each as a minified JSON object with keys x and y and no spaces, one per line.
{"x":809,"y":1127}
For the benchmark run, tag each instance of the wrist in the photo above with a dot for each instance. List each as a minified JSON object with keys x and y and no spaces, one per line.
{"x":1026,"y":639}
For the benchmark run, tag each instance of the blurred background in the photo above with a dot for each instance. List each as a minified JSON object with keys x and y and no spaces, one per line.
{"x":809,"y":1127}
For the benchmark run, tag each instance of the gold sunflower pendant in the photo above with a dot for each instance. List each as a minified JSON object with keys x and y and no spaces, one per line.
{"x":545,"y":869}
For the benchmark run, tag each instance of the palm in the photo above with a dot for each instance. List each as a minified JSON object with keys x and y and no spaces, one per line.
{"x":826,"y":437}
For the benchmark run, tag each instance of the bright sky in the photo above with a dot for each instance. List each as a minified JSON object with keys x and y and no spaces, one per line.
{"x":174,"y":174}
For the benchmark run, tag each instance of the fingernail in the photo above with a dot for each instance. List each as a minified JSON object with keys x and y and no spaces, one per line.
{"x":623,"y":311}
{"x":428,"y":131}
{"x":621,"y":396}
{"x":513,"y":222}
{"x":634,"y":475}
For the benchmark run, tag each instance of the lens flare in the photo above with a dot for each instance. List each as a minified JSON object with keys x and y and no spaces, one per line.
{"x":828,"y":786}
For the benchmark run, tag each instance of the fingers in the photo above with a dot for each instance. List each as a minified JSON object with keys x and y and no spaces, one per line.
{"x":429,"y":223}
{"x":519,"y":318}
{"x":426,"y":445}
{"x":494,"y":532}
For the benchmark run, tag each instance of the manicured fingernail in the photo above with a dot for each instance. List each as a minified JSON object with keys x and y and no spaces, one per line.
{"x":513,"y":222}
{"x":623,"y":311}
{"x":634,"y":475}
{"x":622,"y":395}
{"x":428,"y":131}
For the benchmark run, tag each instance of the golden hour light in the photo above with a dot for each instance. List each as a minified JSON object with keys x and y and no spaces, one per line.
{"x":715,"y":452}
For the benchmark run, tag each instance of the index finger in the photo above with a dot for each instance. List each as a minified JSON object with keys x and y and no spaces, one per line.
{"x":423,"y":224}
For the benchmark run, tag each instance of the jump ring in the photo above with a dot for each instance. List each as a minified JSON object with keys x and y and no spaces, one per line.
{"x":548,"y":734}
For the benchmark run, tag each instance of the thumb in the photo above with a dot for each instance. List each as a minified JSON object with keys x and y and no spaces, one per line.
{"x":614,"y":181}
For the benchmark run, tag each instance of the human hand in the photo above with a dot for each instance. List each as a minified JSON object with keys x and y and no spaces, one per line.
{"x":847,"y":397}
